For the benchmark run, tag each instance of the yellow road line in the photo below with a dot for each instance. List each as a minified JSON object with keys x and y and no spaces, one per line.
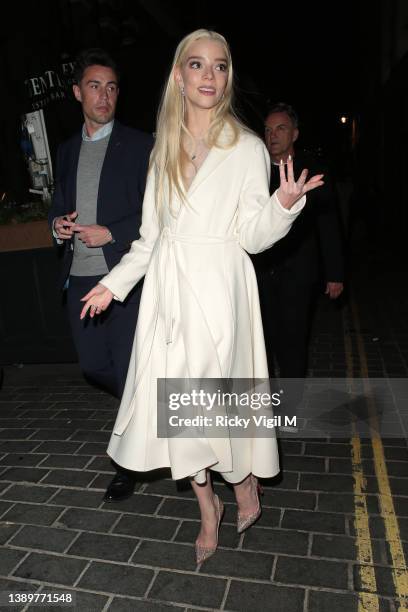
{"x":399,"y":568}
{"x":367,"y":599}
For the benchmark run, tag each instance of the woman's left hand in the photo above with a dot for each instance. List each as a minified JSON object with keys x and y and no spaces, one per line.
{"x":290,"y":191}
{"x":97,"y":301}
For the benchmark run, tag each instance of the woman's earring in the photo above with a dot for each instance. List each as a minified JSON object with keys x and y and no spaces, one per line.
{"x":182,"y":90}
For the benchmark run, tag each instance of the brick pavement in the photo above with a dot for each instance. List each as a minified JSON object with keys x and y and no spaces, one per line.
{"x":57,"y":535}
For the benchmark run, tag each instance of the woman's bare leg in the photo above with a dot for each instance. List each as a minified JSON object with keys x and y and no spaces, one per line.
{"x":246,"y":496}
{"x":207,"y":537}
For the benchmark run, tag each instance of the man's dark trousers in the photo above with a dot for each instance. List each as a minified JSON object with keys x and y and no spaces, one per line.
{"x":286,"y":312}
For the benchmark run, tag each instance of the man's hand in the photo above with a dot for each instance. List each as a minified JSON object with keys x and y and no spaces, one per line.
{"x":333,"y":290}
{"x":93,"y":235}
{"x":63,"y":226}
{"x":290,"y":191}
{"x":97,"y":301}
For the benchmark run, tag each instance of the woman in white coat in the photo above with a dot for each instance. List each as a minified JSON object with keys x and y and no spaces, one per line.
{"x":206,"y":205}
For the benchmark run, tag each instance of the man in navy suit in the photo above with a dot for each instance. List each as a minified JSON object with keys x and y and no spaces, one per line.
{"x":289,"y":272}
{"x":95,"y":215}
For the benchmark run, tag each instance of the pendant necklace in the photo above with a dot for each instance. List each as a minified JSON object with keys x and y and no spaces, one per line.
{"x":196,"y":152}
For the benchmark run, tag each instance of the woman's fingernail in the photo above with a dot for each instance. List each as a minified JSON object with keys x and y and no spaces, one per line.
{"x":290,"y":158}
{"x":281,"y":162}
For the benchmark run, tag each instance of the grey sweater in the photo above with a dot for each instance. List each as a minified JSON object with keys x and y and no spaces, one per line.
{"x":89,"y":261}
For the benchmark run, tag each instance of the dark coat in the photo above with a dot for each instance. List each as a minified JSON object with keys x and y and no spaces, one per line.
{"x":315,"y":236}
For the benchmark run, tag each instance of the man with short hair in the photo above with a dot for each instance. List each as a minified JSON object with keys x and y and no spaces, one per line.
{"x":288,"y":273}
{"x":95,"y":215}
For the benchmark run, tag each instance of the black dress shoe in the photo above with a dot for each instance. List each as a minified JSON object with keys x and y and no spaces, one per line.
{"x":121,"y":487}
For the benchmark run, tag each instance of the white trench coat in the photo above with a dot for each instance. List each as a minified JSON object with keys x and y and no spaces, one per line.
{"x":199,"y":315}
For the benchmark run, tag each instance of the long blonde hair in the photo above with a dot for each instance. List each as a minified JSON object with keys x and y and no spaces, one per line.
{"x":167,"y":155}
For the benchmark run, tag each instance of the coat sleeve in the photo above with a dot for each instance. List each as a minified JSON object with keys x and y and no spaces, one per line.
{"x":133,"y":266}
{"x":262,"y":220}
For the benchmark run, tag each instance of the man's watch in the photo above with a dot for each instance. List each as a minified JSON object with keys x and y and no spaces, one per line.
{"x":111,"y":238}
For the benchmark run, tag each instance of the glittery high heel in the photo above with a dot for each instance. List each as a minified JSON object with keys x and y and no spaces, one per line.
{"x":204,"y":552}
{"x":243,"y":522}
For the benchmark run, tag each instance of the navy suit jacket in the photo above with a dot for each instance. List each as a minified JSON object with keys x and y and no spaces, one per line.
{"x":121,"y":189}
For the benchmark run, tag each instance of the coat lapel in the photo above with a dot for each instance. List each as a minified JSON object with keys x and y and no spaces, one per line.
{"x":214,"y":158}
{"x":108,"y":173}
{"x":112,"y":150}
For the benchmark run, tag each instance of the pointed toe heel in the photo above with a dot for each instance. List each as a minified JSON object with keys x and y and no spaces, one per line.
{"x":204,"y":552}
{"x":244,"y":522}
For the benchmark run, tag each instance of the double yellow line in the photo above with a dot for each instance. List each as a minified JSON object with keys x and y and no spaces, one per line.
{"x":368,"y":598}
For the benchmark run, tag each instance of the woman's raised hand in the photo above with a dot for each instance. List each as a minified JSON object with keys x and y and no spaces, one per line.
{"x":290,"y":191}
{"x":97,"y":300}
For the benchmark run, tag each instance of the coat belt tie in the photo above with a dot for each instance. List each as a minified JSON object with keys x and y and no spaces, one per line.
{"x":167,"y":253}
